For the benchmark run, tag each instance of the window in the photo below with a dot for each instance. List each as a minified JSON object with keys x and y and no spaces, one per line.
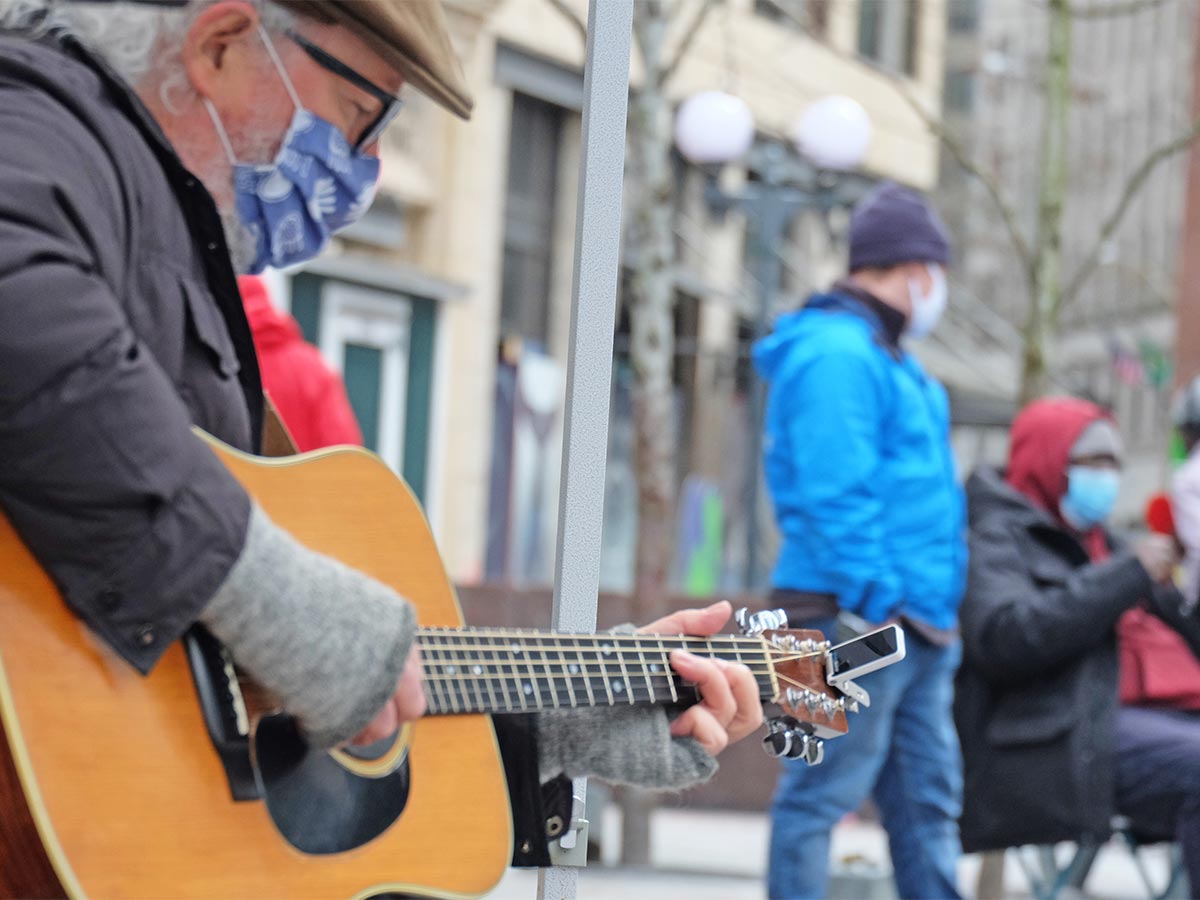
{"x":810,"y":15}
{"x":960,"y":91}
{"x":529,"y":218}
{"x":887,"y":33}
{"x":963,"y":16}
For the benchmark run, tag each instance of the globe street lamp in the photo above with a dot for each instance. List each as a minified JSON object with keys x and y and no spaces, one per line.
{"x":831,"y":137}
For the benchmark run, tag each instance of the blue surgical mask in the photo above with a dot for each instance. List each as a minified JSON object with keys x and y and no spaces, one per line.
{"x":1090,"y":496}
{"x":927,"y":309}
{"x":317,"y":185}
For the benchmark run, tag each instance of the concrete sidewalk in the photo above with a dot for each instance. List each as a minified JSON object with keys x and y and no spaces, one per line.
{"x":707,"y":855}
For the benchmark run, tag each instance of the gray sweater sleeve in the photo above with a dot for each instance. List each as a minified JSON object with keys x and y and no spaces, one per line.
{"x":621,"y":744}
{"x":328,"y":641}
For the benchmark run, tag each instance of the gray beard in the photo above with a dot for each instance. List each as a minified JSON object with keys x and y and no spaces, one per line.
{"x":242,"y":244}
{"x":217,"y":176}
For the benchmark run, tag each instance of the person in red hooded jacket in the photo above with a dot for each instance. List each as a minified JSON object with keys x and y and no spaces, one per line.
{"x":1048,"y":752}
{"x":309,"y":395}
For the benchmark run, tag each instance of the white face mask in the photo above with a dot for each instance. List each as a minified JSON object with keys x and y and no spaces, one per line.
{"x":927,"y":309}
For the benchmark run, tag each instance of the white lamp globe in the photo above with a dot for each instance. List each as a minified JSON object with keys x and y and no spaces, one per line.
{"x":713,"y":127}
{"x":834,"y":132}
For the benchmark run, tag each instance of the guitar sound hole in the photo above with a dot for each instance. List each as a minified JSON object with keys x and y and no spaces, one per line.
{"x":373,"y":751}
{"x":318,"y":805}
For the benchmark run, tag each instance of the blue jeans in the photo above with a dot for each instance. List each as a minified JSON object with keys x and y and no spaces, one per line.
{"x":1157,"y":777}
{"x":904,"y":750}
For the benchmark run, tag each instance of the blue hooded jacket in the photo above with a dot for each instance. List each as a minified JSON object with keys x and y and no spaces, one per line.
{"x":859,"y":466}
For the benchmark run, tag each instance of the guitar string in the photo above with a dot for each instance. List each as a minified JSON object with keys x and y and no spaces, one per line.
{"x":556,"y":644}
{"x":622,"y":642}
{"x":592,"y":678}
{"x":472,"y":660}
{"x":548,"y":668}
{"x":456,"y":678}
{"x":544,"y":700}
{"x":618,"y":636}
{"x":556,"y":703}
{"x":463,"y":639}
{"x":508,"y":672}
{"x":780,"y":656}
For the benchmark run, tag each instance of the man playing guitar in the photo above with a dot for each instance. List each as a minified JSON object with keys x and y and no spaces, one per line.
{"x":152,"y":151}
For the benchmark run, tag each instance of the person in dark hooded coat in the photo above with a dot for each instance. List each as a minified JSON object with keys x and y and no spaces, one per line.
{"x":1048,"y":753}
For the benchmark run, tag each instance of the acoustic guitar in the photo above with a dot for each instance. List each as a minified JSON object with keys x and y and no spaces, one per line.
{"x":186,"y":784}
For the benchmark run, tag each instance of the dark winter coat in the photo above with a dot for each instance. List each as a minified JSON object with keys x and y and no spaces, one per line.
{"x":1036,"y":696}
{"x":121,"y":327}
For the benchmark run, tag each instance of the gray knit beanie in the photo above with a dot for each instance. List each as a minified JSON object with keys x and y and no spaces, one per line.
{"x":893,"y":225}
{"x":1100,"y":438}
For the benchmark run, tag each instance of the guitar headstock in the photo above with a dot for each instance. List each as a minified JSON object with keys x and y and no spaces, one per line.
{"x":800,"y":665}
{"x":797,"y":657}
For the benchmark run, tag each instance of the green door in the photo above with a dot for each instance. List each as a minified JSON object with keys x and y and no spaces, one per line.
{"x":383,"y":343}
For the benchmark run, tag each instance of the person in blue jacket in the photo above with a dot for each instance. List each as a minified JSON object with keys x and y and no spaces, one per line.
{"x":862,"y":478}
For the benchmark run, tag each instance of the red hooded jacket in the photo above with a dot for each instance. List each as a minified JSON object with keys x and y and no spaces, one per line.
{"x":1042,"y":436}
{"x":309,"y":395}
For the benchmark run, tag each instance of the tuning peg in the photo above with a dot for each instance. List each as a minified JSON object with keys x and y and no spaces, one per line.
{"x":787,"y":738}
{"x":757,"y":623}
{"x":814,"y":753}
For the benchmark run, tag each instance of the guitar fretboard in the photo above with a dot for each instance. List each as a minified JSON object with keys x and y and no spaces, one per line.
{"x":513,"y":671}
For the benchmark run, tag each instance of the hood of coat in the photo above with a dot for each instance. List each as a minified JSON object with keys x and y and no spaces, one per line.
{"x":1040,"y":447}
{"x":271,"y":327}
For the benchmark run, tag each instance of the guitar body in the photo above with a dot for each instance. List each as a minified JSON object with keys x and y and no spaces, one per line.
{"x":112,"y":788}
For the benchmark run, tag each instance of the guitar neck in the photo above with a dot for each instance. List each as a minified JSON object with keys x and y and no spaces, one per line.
{"x":515,"y":671}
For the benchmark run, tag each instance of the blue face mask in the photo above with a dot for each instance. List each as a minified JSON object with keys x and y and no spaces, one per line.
{"x":1090,"y":496}
{"x":317,"y":185}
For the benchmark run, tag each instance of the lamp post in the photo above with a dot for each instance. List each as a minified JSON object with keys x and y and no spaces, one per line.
{"x":832,"y":137}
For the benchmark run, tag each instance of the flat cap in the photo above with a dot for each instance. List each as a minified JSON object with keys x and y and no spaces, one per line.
{"x":411,"y":35}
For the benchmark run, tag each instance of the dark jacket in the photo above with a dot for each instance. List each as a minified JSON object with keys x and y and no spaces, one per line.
{"x":1036,"y":695}
{"x":121,"y":327}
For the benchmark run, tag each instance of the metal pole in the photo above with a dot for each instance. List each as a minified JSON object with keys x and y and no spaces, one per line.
{"x":589,"y":364}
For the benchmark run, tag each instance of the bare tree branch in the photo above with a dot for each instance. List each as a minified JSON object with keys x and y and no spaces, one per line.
{"x":561,"y":7}
{"x":956,"y":149}
{"x":685,"y":42}
{"x":1095,"y":11}
{"x":801,"y":22}
{"x":1132,"y":187}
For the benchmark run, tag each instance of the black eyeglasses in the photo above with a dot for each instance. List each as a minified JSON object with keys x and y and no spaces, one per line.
{"x":391,"y":104}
